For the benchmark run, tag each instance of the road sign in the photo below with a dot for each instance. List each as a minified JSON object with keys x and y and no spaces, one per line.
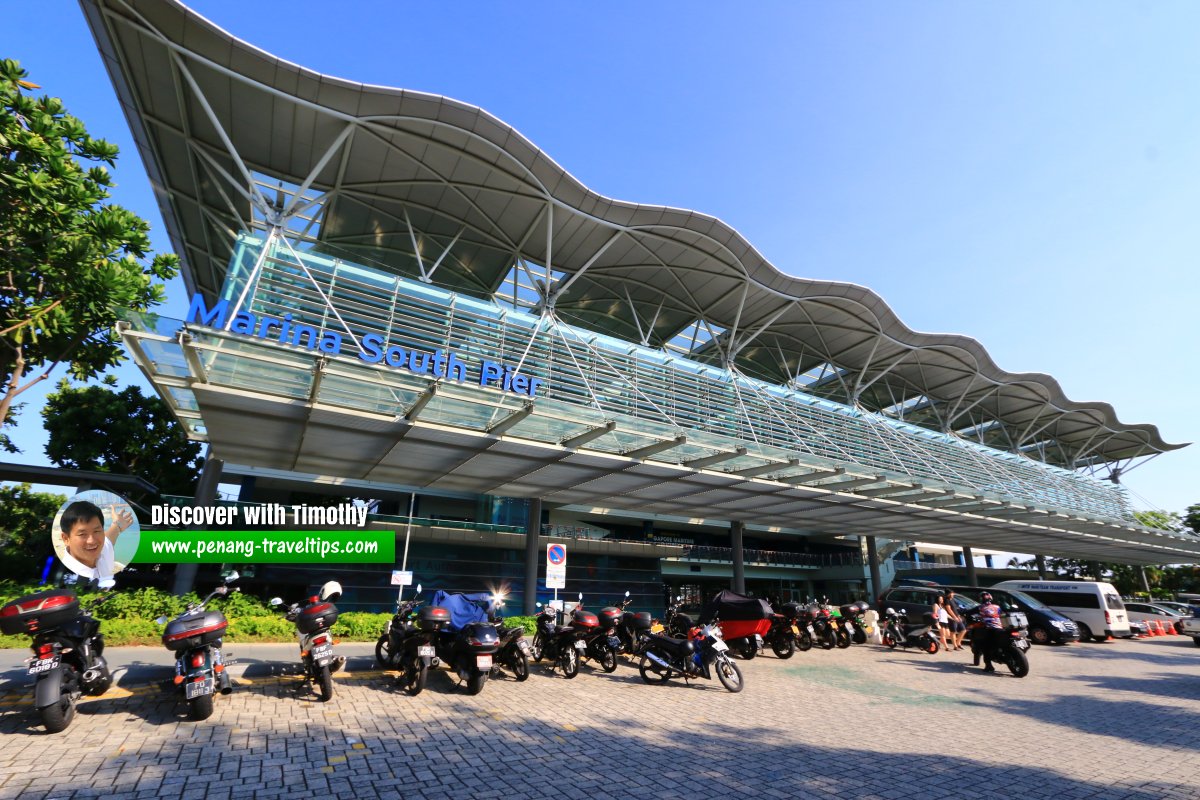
{"x":556,"y":566}
{"x":401,"y":577}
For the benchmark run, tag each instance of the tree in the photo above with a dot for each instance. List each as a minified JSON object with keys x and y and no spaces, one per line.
{"x":70,"y":264}
{"x":26,"y":519}
{"x":1162,"y":520}
{"x":1191,"y":518}
{"x":124,"y":432}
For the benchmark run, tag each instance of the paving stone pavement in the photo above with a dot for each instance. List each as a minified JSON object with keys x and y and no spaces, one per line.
{"x":1115,"y":720}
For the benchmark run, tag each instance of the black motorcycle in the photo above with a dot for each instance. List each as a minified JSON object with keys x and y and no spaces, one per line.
{"x":600,"y":643}
{"x":469,"y":652}
{"x":821,"y":626}
{"x":675,"y":622}
{"x":514,"y":649}
{"x":195,"y":636}
{"x":68,"y":648}
{"x":632,"y":628}
{"x":313,"y":619}
{"x":854,"y":614}
{"x":1007,"y":645}
{"x":559,"y":644}
{"x":697,"y":656}
{"x":784,"y":631}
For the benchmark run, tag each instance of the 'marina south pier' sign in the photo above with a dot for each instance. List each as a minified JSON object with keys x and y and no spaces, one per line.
{"x":372,"y":348}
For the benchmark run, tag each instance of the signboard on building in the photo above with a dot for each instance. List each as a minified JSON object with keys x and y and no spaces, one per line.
{"x":556,"y":566}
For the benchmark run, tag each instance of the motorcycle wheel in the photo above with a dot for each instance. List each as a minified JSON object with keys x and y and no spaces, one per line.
{"x":608,"y":659}
{"x":475,"y":682}
{"x":828,"y":639}
{"x":930,"y":645}
{"x":652,"y":673}
{"x":804,"y":642}
{"x":520,"y":666}
{"x":728,"y":673}
{"x":569,"y":661}
{"x":325,"y":684}
{"x":860,"y":636}
{"x":413,"y":679}
{"x":1018,"y":663}
{"x":748,"y":649}
{"x":535,"y":649}
{"x":889,"y":641}
{"x":784,"y":646}
{"x":384,"y":656}
{"x":57,"y":716}
{"x":200,"y":707}
{"x":843,"y":639}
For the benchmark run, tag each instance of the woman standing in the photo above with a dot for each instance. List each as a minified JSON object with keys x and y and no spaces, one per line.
{"x":941,"y":620}
{"x":958,"y":626}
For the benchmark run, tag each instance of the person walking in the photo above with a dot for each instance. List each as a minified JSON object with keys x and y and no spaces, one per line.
{"x":958,"y":626}
{"x":941,"y":620}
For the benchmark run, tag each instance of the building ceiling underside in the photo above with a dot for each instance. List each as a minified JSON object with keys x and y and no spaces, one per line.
{"x":407,"y":181}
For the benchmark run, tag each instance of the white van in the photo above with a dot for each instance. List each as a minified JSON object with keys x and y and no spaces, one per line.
{"x":1096,"y":607}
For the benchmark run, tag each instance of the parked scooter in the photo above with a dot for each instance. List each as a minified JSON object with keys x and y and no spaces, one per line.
{"x":856,"y":623}
{"x":195,"y":636}
{"x":699,"y":655}
{"x":824,"y":631}
{"x":633,"y":627}
{"x":558,"y":643}
{"x":313,"y":620}
{"x":67,"y":646}
{"x":784,"y":631}
{"x":469,"y":651}
{"x":513,"y":652}
{"x":675,"y":622}
{"x":896,"y":632}
{"x":600,"y":645}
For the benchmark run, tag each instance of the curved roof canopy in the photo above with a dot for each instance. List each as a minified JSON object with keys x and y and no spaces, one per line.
{"x":235,"y":139}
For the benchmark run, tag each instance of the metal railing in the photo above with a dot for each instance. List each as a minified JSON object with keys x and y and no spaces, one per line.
{"x":772,"y":557}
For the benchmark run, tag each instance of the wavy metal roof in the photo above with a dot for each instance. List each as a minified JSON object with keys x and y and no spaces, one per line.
{"x":430,"y":187}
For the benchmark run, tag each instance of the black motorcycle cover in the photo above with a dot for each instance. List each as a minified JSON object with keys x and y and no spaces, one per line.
{"x":729,"y":605}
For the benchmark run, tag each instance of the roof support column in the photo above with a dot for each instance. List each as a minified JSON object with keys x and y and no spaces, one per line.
{"x":736,"y":530}
{"x":969,"y":558}
{"x":206,"y":495}
{"x":533,"y":529}
{"x":873,"y":563}
{"x":1041,"y":567}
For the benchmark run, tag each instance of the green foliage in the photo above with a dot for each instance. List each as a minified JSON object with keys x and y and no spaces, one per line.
{"x":273,"y":628}
{"x":124,"y":432}
{"x":1191,"y":518}
{"x":528,"y":623}
{"x":70,"y":264}
{"x":1160,"y":520}
{"x":26,"y":539}
{"x":360,"y":626}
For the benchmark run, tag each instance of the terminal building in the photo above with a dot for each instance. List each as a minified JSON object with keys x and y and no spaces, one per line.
{"x":396,"y":297}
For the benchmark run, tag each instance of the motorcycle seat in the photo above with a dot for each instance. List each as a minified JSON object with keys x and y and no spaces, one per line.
{"x":678,"y":645}
{"x":563,"y":629}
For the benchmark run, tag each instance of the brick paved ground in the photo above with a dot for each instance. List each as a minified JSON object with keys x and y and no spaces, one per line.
{"x":1117,"y":720}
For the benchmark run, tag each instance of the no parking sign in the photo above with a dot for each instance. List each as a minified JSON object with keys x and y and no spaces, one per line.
{"x":556,"y":566}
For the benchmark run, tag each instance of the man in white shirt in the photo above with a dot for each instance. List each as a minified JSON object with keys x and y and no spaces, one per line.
{"x":89,"y":547}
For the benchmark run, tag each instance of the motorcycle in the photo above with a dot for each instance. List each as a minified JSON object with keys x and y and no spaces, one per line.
{"x":675,"y":622}
{"x":821,"y":626}
{"x":313,"y":619}
{"x":784,"y":631}
{"x":558,"y":643}
{"x":67,"y":646}
{"x":852,"y":618}
{"x":513,"y":652}
{"x":697,"y":656}
{"x":632,"y":628}
{"x":1007,"y":645}
{"x":195,"y":636}
{"x":409,"y":644}
{"x":470,"y":650}
{"x":600,"y":644}
{"x":896,"y":633}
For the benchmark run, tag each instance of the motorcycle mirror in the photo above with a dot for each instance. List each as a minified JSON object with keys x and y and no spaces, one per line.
{"x":539,"y":605}
{"x":107,"y":583}
{"x":161,"y":620}
{"x":627,"y":593}
{"x":581,"y":597}
{"x":276,"y":601}
{"x":233,"y":576}
{"x":418,"y":588}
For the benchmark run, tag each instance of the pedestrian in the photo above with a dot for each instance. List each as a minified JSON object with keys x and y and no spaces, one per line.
{"x":958,"y":626}
{"x":941,"y":620}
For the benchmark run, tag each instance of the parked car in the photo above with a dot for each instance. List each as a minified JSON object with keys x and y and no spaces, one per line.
{"x":1153,"y":612}
{"x":1191,"y":625}
{"x":1182,"y":609}
{"x":1139,"y":628}
{"x":916,"y":601}
{"x":1046,"y":626}
{"x":1094,"y":606}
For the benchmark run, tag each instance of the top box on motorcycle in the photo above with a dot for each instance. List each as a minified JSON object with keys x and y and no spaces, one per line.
{"x":39,"y":611}
{"x":432,"y":618}
{"x":584,"y":619}
{"x":850,"y":610}
{"x":609,"y":617}
{"x":791,"y":609}
{"x":727,"y":605}
{"x":194,"y":630}
{"x":316,"y":617}
{"x":643,"y":621}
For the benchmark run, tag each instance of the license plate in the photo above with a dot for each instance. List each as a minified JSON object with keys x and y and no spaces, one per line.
{"x":656,"y":628}
{"x":796,"y":630}
{"x":43,"y":665}
{"x":811,"y":631}
{"x":522,"y":645}
{"x":198,"y":688}
{"x":425,"y":651}
{"x":483,"y":662}
{"x":581,"y":645}
{"x":322,"y":652}
{"x":849,"y":627}
{"x":719,"y":646}
{"x":1022,"y":644}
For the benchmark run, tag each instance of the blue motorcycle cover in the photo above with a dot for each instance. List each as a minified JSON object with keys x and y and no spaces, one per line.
{"x":464,"y":608}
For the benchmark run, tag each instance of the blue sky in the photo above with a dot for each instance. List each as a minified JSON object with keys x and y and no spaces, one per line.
{"x":1022,"y":173}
